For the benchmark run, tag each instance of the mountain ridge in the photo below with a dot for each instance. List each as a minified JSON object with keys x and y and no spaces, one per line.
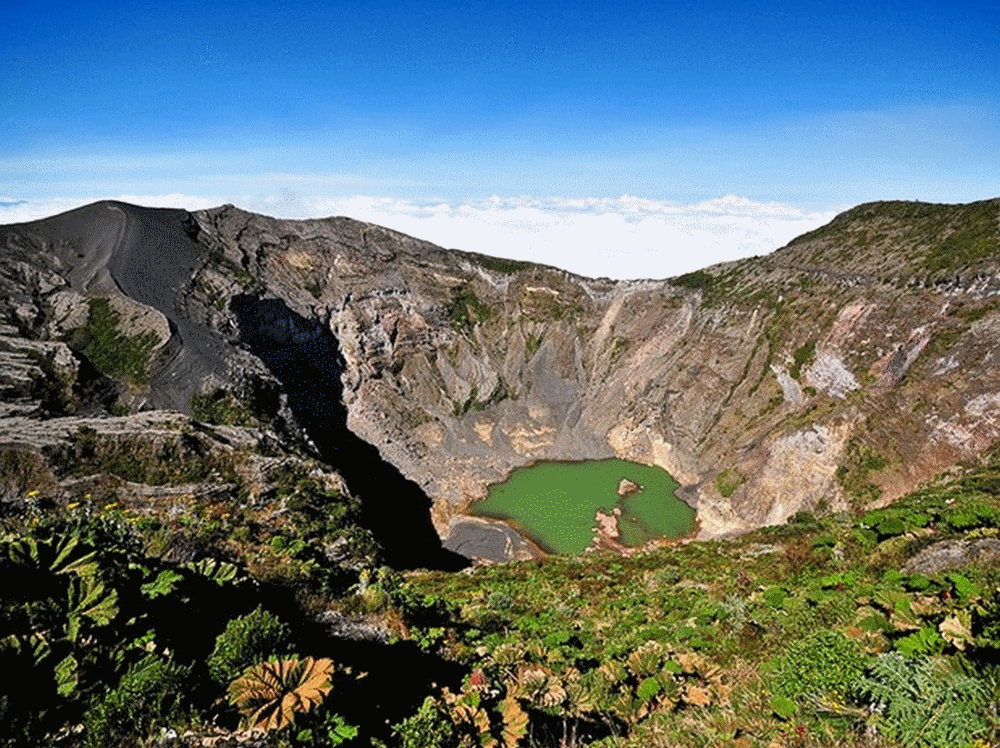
{"x":842,"y":369}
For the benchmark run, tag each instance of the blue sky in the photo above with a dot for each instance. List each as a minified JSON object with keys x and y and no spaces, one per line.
{"x":611,"y":138}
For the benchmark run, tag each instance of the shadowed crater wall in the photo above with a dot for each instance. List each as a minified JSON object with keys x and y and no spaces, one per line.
{"x":304,"y":356}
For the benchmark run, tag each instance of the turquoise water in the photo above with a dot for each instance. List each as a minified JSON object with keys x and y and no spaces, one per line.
{"x":553,"y":503}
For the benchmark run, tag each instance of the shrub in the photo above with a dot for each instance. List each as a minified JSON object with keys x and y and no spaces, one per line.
{"x":147,"y":696}
{"x":246,"y":640}
{"x":466,"y":310}
{"x":498,"y":600}
{"x":428,"y":728}
{"x":802,"y":357}
{"x":823,"y":663}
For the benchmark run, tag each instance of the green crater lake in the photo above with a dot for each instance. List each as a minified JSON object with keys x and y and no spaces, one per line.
{"x":554,"y":503}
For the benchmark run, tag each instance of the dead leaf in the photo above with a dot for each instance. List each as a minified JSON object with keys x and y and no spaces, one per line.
{"x":957,"y":629}
{"x":697,"y":696}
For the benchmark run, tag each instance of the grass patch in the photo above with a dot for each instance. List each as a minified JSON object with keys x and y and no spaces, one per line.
{"x":184,"y":460}
{"x":466,"y":311}
{"x":532,"y":345}
{"x":108,"y":349}
{"x":803,"y":356}
{"x":853,"y":474}
{"x":974,"y":238}
{"x":497,"y":264}
{"x":727,"y":481}
{"x":221,"y":407}
{"x":618,"y":349}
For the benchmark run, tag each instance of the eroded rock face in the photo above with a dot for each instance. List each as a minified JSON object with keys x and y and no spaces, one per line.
{"x":844,"y":368}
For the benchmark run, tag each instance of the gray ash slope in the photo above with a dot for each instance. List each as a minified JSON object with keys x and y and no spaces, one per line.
{"x":840,"y":370}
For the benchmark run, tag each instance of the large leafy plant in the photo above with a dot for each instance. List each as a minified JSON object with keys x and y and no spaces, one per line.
{"x":270,"y":694}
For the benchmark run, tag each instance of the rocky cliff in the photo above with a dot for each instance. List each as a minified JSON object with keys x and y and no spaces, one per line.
{"x":840,"y":370}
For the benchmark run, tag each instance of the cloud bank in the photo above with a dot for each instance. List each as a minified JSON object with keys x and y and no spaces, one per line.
{"x":623,"y":237}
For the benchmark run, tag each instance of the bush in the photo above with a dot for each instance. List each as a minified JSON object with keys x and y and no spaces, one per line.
{"x":247,"y":640}
{"x":428,"y":728}
{"x":147,"y":696}
{"x":823,"y":663}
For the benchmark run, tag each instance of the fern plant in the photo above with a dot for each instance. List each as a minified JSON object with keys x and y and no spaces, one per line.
{"x":270,"y":693}
{"x":823,"y":663}
{"x":923,"y":701}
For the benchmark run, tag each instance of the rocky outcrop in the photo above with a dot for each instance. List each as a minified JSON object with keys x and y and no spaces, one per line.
{"x":954,"y":554}
{"x":843,"y":369}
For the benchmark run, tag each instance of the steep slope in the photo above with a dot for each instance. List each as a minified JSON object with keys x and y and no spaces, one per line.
{"x":842,"y":369}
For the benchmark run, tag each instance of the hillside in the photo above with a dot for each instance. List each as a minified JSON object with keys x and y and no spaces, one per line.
{"x":202,"y":413}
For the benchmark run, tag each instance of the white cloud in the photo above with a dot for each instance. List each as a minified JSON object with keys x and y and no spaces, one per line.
{"x":623,"y":237}
{"x":13,"y":210}
{"x":626,"y":237}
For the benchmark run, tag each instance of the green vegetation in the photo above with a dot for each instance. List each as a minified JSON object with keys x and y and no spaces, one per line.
{"x":113,"y":643}
{"x":544,"y":306}
{"x":803,"y":356}
{"x":813,"y":633}
{"x":187,"y":459}
{"x":823,"y":664}
{"x":497,"y":264}
{"x":473,"y":402}
{"x":251,"y":284}
{"x":532,"y":345}
{"x":246,"y":640}
{"x":716,"y":289}
{"x":943,"y":238}
{"x":212,"y":295}
{"x":221,"y":407}
{"x":618,"y":349}
{"x":149,"y":695}
{"x":727,"y":481}
{"x":110,"y":351}
{"x":802,"y":634}
{"x":23,"y":469}
{"x":974,"y":237}
{"x":853,"y":475}
{"x":53,"y":388}
{"x":929,"y":701}
{"x":466,"y":311}
{"x":697,"y":280}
